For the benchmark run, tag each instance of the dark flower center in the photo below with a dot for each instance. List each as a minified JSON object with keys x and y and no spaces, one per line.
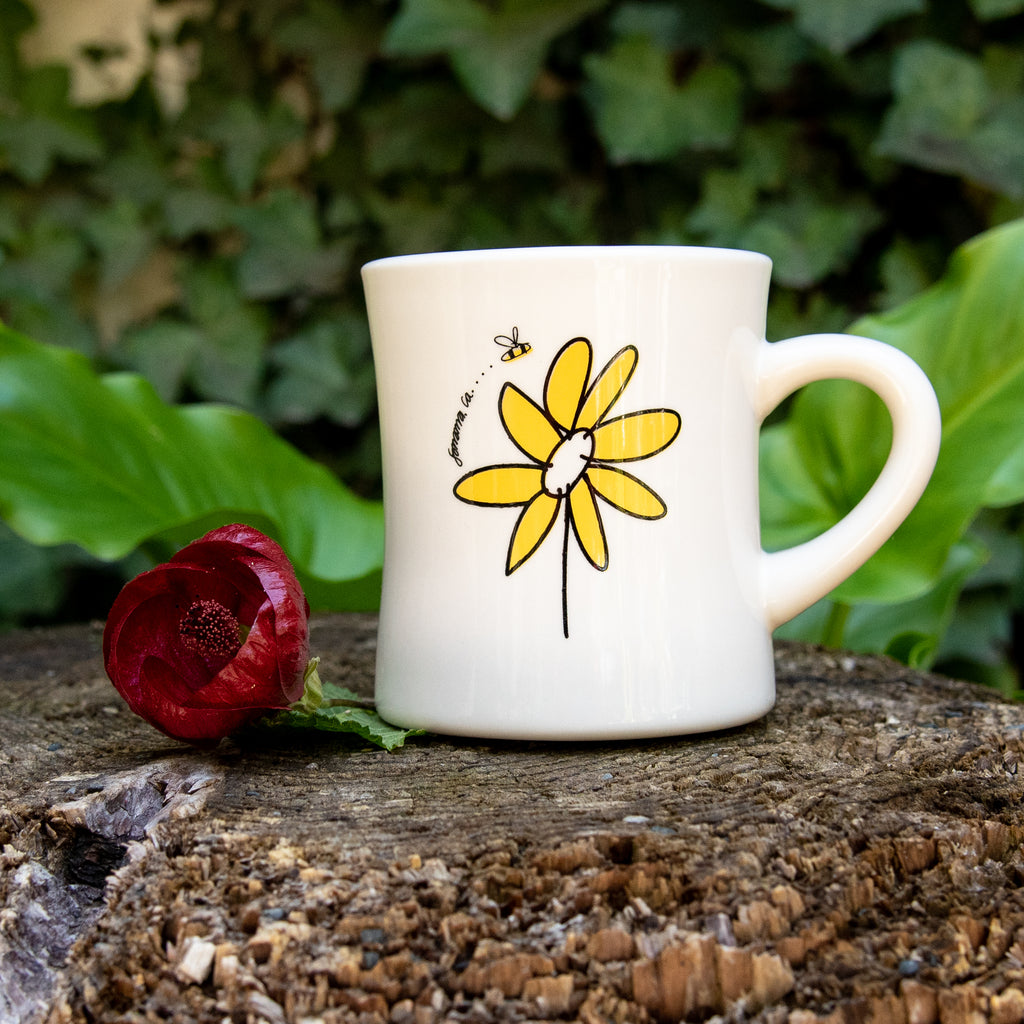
{"x":210,"y":630}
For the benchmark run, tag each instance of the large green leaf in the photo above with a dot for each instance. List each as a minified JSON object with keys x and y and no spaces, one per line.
{"x":967,"y":334}
{"x":911,"y":631}
{"x":102,"y":462}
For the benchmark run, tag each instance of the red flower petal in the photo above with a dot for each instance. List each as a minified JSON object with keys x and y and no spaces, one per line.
{"x":153,"y":642}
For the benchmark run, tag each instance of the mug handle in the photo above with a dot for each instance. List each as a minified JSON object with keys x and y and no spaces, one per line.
{"x":793,"y":579}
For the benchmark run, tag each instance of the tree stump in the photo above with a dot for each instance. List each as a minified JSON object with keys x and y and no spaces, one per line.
{"x":854,"y":856}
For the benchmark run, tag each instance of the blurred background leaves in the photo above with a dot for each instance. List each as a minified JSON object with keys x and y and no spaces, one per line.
{"x":189,"y":187}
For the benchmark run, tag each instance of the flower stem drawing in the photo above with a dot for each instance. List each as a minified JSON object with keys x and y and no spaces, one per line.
{"x":575,"y":449}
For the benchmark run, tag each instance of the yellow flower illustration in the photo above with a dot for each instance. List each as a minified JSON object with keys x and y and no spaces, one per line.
{"x":573,"y":447}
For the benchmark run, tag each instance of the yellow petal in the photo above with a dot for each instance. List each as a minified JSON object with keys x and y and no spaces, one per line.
{"x":625,"y":492}
{"x":527,"y":424}
{"x":533,"y":526}
{"x":609,"y":384}
{"x":567,"y":379}
{"x":637,"y":435}
{"x":500,"y":485}
{"x":586,"y":522}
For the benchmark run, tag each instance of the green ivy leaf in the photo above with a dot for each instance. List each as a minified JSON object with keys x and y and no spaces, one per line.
{"x":339,"y":42}
{"x":496,"y":51}
{"x":728,"y":201}
{"x":532,"y":142}
{"x":792,"y":313}
{"x":37,"y":278}
{"x":45,"y":258}
{"x":807,"y":236}
{"x":164,"y":352}
{"x":667,"y":24}
{"x":285,"y":253}
{"x":121,"y":237}
{"x":990,"y":10}
{"x":808,"y":239}
{"x":190,"y":210}
{"x":427,"y":127}
{"x":767,"y":149}
{"x":948,"y":117}
{"x":414,"y":220}
{"x":643,"y":115}
{"x":425,"y":27}
{"x":39,"y":126}
{"x":10,"y":224}
{"x":842,"y":24}
{"x":136,"y":171}
{"x":52,"y":316}
{"x":228,"y":361}
{"x":16,"y":18}
{"x":326,"y":370}
{"x":967,"y":334}
{"x":249,"y":137}
{"x":129,"y":469}
{"x":772,"y":54}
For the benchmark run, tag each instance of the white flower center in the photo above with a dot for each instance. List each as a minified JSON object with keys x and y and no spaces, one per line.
{"x":568,"y":463}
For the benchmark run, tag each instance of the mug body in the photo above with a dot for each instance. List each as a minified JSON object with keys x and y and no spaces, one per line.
{"x":569,"y":438}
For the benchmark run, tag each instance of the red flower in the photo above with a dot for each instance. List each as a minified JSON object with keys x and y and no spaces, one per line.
{"x":213,"y":639}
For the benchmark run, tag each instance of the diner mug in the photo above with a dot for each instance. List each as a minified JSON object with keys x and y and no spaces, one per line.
{"x":570,"y":441}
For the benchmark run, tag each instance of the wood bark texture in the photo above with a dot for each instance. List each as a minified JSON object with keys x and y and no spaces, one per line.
{"x":855,"y":856}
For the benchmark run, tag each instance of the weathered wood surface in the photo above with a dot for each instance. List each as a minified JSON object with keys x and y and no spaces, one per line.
{"x":855,"y":856}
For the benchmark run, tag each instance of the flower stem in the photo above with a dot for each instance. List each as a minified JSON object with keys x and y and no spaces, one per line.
{"x":565,"y":575}
{"x":835,"y":628}
{"x":312,"y":690}
{"x":313,"y":695}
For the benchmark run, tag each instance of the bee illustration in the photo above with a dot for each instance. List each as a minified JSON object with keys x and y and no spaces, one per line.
{"x":514,"y":348}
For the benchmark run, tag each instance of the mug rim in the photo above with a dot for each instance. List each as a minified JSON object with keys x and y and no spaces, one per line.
{"x":565,"y":252}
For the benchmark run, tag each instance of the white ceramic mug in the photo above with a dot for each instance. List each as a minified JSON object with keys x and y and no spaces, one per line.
{"x":572,"y":544}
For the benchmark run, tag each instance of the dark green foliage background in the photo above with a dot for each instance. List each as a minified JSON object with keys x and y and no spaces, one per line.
{"x":856,"y":142}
